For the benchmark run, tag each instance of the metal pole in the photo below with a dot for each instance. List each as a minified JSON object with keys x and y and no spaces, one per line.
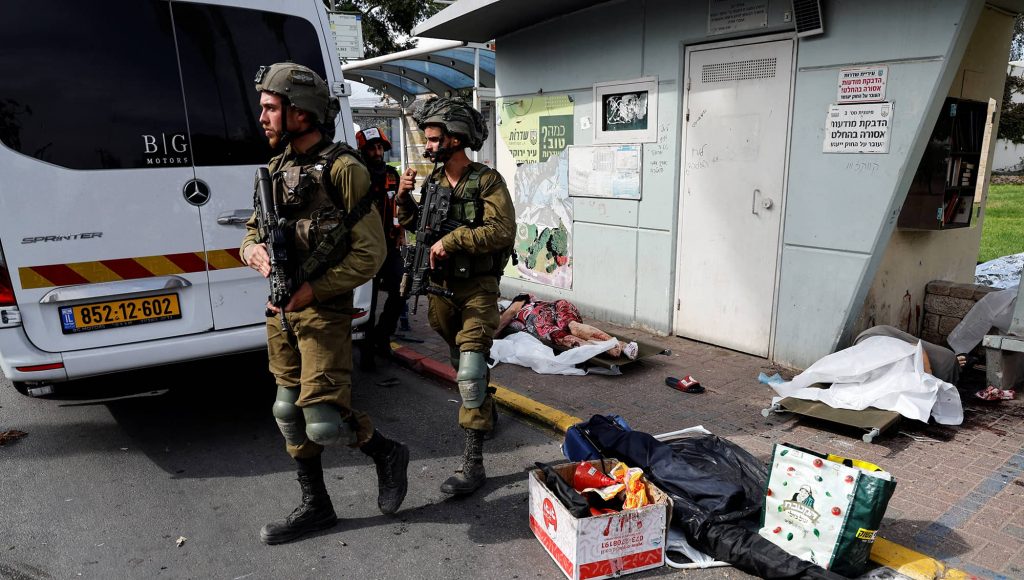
{"x":401,"y":138}
{"x":445,"y":45}
{"x":476,"y":89}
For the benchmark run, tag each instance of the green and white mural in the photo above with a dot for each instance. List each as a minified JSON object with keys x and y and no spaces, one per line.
{"x":536,"y":131}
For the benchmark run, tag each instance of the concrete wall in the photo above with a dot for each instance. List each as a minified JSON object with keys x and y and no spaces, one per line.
{"x":623,"y":251}
{"x":839,"y":217}
{"x":914,"y":258}
{"x":1009,"y":157}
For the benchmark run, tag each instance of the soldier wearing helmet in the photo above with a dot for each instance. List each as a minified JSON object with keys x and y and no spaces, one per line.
{"x":373,"y":143}
{"x":472,"y":258}
{"x":316,"y":183}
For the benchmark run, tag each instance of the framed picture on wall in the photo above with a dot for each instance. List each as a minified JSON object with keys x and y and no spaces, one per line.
{"x":626,"y":111}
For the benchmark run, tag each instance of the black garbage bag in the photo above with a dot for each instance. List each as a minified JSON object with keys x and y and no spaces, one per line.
{"x":570,"y":498}
{"x":717,"y":492}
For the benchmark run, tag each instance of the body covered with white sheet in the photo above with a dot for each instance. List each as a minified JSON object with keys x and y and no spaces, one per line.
{"x":881,"y":372}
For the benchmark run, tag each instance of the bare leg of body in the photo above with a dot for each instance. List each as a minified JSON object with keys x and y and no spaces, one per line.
{"x":592,"y":334}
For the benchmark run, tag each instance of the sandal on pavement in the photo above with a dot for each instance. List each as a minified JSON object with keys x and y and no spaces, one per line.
{"x":686,"y":384}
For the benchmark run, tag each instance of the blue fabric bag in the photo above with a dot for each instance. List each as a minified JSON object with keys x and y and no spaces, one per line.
{"x":578,"y":446}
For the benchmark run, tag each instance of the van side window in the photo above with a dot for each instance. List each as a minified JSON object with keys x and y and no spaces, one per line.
{"x":90,"y":87}
{"x":220,"y":49}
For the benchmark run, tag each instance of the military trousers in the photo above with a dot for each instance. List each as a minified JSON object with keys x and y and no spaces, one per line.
{"x":316,"y":358}
{"x":467,"y":322}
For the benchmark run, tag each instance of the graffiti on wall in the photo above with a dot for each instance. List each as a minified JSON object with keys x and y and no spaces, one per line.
{"x":537,"y":132}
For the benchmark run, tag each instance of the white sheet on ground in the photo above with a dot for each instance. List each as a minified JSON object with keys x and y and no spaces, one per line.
{"x":881,"y":372}
{"x":526,"y":350}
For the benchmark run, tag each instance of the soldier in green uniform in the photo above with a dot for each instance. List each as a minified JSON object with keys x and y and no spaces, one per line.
{"x":315,"y":184}
{"x":470,"y":259}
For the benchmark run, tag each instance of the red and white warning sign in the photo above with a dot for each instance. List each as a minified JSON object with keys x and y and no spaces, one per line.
{"x":862,"y":84}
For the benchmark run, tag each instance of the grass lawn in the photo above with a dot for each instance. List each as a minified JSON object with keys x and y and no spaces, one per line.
{"x":1003,"y":231}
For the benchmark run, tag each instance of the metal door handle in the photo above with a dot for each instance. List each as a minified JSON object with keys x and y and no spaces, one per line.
{"x":233,"y":218}
{"x":753,"y":201}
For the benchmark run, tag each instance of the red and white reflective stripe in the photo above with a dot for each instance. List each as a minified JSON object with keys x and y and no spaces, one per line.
{"x":113,"y":270}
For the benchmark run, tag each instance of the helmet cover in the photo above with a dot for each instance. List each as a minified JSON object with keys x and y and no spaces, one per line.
{"x":457,"y":118}
{"x":303,"y":88}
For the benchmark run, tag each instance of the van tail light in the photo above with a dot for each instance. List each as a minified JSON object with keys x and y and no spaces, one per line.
{"x":6,"y":288}
{"x":36,"y":368}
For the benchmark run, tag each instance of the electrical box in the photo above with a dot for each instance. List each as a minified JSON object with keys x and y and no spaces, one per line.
{"x":942,"y":194}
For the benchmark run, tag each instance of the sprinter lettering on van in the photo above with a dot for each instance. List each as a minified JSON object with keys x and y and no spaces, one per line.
{"x":62,"y":238}
{"x":161,"y":149}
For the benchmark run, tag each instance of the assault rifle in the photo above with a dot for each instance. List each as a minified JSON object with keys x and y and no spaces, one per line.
{"x":432,"y":226}
{"x":272,"y":232}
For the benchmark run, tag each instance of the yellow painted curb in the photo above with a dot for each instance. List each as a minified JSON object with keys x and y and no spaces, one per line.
{"x":913,"y":564}
{"x":537,"y":411}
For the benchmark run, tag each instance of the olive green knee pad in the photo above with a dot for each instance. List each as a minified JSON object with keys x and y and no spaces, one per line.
{"x":325,"y":426}
{"x":289,"y":416}
{"x":472,"y":379}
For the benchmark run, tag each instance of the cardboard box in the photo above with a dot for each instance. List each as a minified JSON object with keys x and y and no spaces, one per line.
{"x":600,"y":546}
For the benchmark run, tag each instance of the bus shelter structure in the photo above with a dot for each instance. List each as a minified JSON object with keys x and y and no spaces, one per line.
{"x":443,"y":68}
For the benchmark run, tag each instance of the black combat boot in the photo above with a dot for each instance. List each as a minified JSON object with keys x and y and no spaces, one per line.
{"x":472,"y":476}
{"x":392,"y":461}
{"x":314,"y":513}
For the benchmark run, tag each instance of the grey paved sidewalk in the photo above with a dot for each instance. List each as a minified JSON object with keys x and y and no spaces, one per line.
{"x":959,"y":499}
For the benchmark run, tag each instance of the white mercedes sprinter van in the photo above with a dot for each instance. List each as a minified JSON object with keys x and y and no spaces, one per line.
{"x":128,"y":143}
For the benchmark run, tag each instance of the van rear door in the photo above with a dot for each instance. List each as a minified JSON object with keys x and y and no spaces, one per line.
{"x":97,"y":219}
{"x":221,"y":44}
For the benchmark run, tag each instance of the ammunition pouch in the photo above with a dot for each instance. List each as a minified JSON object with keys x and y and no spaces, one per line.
{"x":294,"y":187}
{"x":321,"y":223}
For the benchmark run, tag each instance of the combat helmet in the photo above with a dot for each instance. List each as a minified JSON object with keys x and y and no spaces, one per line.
{"x":303,"y":88}
{"x":457,"y":117}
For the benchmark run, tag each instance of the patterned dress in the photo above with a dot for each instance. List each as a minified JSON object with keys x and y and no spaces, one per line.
{"x":545,"y":320}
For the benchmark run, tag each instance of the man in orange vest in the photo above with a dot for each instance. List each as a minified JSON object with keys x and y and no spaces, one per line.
{"x":373,"y":143}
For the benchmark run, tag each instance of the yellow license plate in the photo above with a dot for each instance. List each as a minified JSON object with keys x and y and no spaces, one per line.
{"x":85,"y":317}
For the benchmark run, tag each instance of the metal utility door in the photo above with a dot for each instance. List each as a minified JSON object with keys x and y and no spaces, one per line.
{"x":734,"y":157}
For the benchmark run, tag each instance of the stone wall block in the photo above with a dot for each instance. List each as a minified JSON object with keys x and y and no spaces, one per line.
{"x":947,"y":324}
{"x":931,"y":322}
{"x":962,"y":291}
{"x":938,"y":287}
{"x":932,"y":337}
{"x":947,"y":305}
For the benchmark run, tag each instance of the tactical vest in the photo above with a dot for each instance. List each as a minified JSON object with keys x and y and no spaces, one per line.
{"x":306,"y":197}
{"x":467,"y":209}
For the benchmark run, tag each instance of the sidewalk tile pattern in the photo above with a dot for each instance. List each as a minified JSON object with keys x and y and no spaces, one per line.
{"x":960,"y":494}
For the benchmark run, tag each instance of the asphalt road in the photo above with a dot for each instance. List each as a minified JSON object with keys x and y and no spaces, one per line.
{"x":105,"y":489}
